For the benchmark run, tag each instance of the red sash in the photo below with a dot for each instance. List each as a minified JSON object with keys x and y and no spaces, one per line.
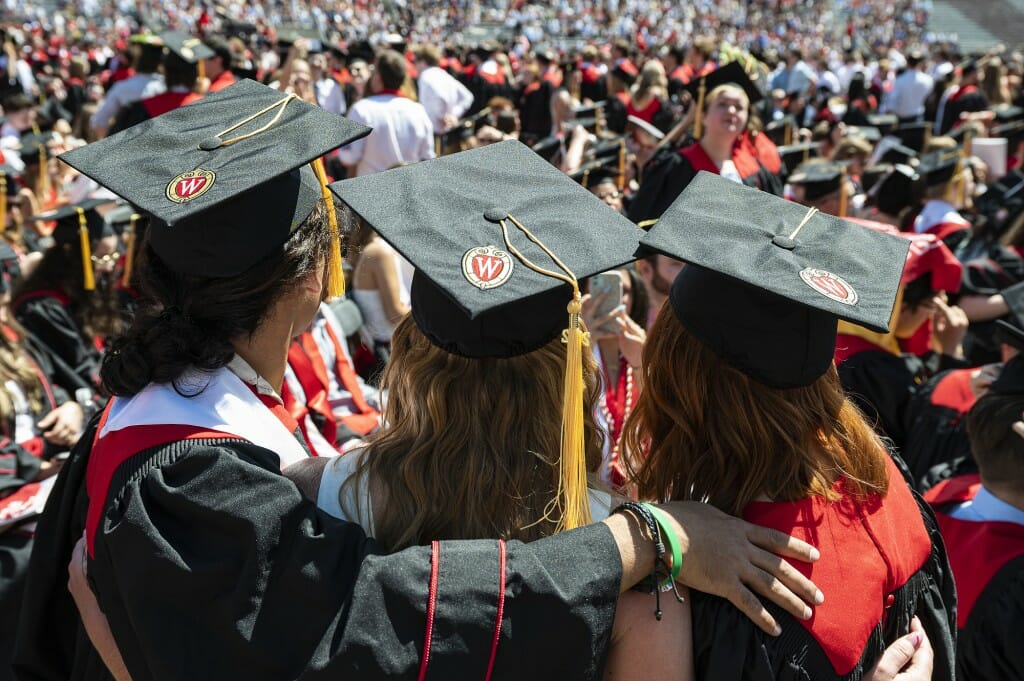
{"x":954,"y":391}
{"x":312,"y":374}
{"x":161,"y":104}
{"x":977,"y":550}
{"x":746,"y":164}
{"x":368,"y":418}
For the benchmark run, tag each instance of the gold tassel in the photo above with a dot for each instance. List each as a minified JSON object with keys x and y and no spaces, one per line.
{"x":3,"y":202}
{"x":43,"y":183}
{"x":335,"y":273}
{"x":620,"y":181}
{"x":842,"y":192}
{"x":572,"y":497}
{"x":698,"y":117}
{"x":89,"y":281}
{"x":200,"y":70}
{"x":129,"y":251}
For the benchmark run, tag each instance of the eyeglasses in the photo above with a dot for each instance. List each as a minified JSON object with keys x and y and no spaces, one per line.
{"x":108,"y":260}
{"x":609,"y":195}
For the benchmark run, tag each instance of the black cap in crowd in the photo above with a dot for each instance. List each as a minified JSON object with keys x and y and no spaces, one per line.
{"x":10,"y":268}
{"x":225,"y":180}
{"x":186,"y":47}
{"x":767,"y":280}
{"x":471,"y":294}
{"x":898,"y":190}
{"x":68,"y":223}
{"x":731,"y":74}
{"x":938,"y":167}
{"x":793,"y":155}
{"x":819,"y":178}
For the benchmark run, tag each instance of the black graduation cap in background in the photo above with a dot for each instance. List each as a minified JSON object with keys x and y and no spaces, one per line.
{"x":767,"y":279}
{"x":1013,"y":132}
{"x":938,"y":167}
{"x":1005,"y":113}
{"x":471,"y":295}
{"x":793,"y":155}
{"x":10,"y":178}
{"x":548,"y":147}
{"x":867,"y":132}
{"x":897,"y":153}
{"x":68,"y":223}
{"x":187,"y":47}
{"x":886,"y":123}
{"x":731,"y":73}
{"x":819,"y":178}
{"x":225,"y":179}
{"x":1011,"y":377}
{"x":593,"y":173}
{"x":33,"y":145}
{"x":10,"y":267}
{"x":914,"y":135}
{"x":781,"y":131}
{"x":899,"y":189}
{"x":872,"y":175}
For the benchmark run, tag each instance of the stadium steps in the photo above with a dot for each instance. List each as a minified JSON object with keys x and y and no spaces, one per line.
{"x":979,"y":24}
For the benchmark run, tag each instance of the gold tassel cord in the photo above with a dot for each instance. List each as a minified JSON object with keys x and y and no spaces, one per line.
{"x":3,"y":202}
{"x":697,"y":118}
{"x":43,"y":183}
{"x":89,"y":281}
{"x":280,"y":104}
{"x":572,"y":497}
{"x":335,"y":273}
{"x":842,"y":192}
{"x":129,"y":251}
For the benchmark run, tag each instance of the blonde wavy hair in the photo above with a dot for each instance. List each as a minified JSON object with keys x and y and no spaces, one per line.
{"x":470,"y":448}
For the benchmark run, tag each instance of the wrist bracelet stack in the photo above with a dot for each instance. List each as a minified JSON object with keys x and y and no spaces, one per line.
{"x":662,"y":577}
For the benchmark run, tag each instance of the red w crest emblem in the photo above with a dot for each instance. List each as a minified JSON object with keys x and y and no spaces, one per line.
{"x":486,"y":267}
{"x":190,"y":185}
{"x":829,"y":285}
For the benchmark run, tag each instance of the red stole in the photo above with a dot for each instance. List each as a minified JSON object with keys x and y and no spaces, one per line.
{"x":746,"y":164}
{"x":312,"y":375}
{"x":161,"y":104}
{"x":869,"y":549}
{"x":954,"y":391}
{"x":977,"y":550}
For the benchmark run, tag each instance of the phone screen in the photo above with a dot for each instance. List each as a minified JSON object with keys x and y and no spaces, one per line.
{"x":606,"y":294}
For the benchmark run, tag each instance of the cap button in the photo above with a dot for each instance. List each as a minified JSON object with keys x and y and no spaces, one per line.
{"x":495,"y":214}
{"x":784,"y":242}
{"x":210,"y":143}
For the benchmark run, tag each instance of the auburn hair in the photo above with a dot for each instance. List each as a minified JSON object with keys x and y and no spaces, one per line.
{"x":471,"y":446}
{"x":711,"y":433}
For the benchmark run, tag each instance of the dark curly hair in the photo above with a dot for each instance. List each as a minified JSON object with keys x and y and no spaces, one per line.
{"x":190,"y":322}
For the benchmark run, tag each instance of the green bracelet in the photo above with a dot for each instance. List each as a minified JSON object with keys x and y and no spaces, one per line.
{"x":669,"y":538}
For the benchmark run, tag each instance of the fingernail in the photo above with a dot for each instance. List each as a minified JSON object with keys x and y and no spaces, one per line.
{"x":620,"y":308}
{"x":777,"y":631}
{"x":815,"y":554}
{"x":915,"y":639}
{"x":807,"y":612}
{"x":819,"y":597}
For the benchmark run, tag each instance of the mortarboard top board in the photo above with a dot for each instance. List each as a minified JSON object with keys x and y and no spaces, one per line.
{"x":819,"y":178}
{"x":914,"y":135}
{"x":589,"y":110}
{"x":187,"y":47}
{"x":225,"y":180}
{"x":32,"y":145}
{"x":731,"y":73}
{"x":470,"y":296}
{"x":793,"y":155}
{"x":609,"y":148}
{"x":895,"y":191}
{"x":1010,"y":332}
{"x":1011,"y":377}
{"x":867,"y":132}
{"x":767,"y":279}
{"x":886,"y":123}
{"x":547,"y":148}
{"x":10,"y":267}
{"x":897,"y":153}
{"x":648,"y":128}
{"x":781,"y":131}
{"x":595,"y":172}
{"x":1013,"y":132}
{"x":66,"y":230}
{"x":938,"y":167}
{"x":872,"y":175}
{"x":1005,"y":113}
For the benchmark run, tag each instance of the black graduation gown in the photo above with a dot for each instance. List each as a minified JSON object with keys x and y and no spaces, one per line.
{"x":937,"y":426}
{"x":671,"y":170}
{"x":990,"y":646}
{"x":987,"y":274}
{"x":728,"y":646}
{"x":17,"y":468}
{"x":57,"y":338}
{"x":209,"y":563}
{"x":882,"y":385}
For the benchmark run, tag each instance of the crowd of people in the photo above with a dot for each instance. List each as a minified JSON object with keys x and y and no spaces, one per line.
{"x":364,"y":338}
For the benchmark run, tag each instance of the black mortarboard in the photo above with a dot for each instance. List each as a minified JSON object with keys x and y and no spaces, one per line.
{"x":68,"y":224}
{"x":886,"y":123}
{"x":731,"y":73}
{"x":872,"y":175}
{"x":793,"y":155}
{"x":10,"y":267}
{"x":1010,"y":332}
{"x":589,"y":110}
{"x":767,"y":280}
{"x":781,"y":131}
{"x":1006,"y":113}
{"x":818,"y":178}
{"x":32,"y":145}
{"x":187,"y":47}
{"x":1013,"y":132}
{"x":593,"y":173}
{"x":1011,"y":377}
{"x":914,"y":135}
{"x":470,"y":296}
{"x":548,"y":147}
{"x":10,"y":178}
{"x":897,"y":153}
{"x":477,"y":225}
{"x":225,"y":179}
{"x":899,"y":189}
{"x":938,"y":167}
{"x":867,"y":132}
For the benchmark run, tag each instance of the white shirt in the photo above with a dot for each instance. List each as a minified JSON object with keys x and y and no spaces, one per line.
{"x":330,"y":96}
{"x":442,"y":95}
{"x":936,"y":212}
{"x":909,"y":91}
{"x":402,"y":133}
{"x":986,"y":507}
{"x":139,"y":86}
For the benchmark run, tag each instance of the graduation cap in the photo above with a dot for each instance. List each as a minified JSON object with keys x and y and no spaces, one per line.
{"x":898,"y":190}
{"x":648,"y":128}
{"x":129,"y":224}
{"x":225,"y":180}
{"x":82,"y":223}
{"x":939,"y":167}
{"x":625,"y":70}
{"x":914,"y":135}
{"x":873,"y":174}
{"x":1006,"y":113}
{"x":9,"y":178}
{"x":767,"y":280}
{"x":793,"y":155}
{"x":886,"y":123}
{"x":35,"y":148}
{"x":730,"y":74}
{"x":821,"y":178}
{"x":597,"y":172}
{"x":866,"y":132}
{"x":589,"y":110}
{"x":897,"y":153}
{"x":548,"y":147}
{"x":1013,"y":132}
{"x":186,"y":47}
{"x":1011,"y":378}
{"x":495,"y":234}
{"x":781,"y":131}
{"x":10,"y":267}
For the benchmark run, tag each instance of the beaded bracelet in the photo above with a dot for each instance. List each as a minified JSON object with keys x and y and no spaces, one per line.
{"x":662,"y":577}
